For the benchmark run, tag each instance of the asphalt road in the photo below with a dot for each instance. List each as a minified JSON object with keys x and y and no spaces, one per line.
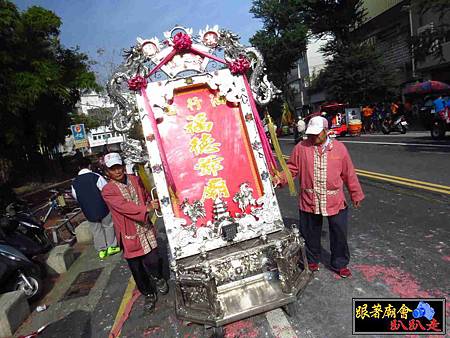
{"x":399,"y":241}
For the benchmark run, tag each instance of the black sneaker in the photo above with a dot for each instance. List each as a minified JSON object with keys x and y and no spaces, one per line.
{"x":162,"y":286}
{"x":150,"y":302}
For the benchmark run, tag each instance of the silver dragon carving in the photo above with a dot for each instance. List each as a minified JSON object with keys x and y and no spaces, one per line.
{"x":263,"y":90}
{"x":139,"y":60}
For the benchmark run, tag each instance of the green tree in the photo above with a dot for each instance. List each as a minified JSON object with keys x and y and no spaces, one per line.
{"x":283,"y":38}
{"x":40,"y":83}
{"x":335,"y":19}
{"x":354,"y":71}
{"x":355,"y":75}
{"x":88,"y":121}
{"x":288,"y":24}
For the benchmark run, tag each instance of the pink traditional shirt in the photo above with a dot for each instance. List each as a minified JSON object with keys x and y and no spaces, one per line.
{"x":127,"y":203}
{"x":322,"y":173}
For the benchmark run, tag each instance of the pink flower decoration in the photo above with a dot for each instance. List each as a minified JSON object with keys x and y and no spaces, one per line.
{"x":137,"y":83}
{"x":182,"y":41}
{"x":239,"y":66}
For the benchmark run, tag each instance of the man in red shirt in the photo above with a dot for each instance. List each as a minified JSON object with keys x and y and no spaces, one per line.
{"x":130,"y":206}
{"x":323,"y":166}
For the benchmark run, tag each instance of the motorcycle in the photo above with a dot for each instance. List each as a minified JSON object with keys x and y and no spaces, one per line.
{"x":388,"y":125}
{"x":440,"y":123}
{"x":17,"y":272}
{"x":25,"y":232}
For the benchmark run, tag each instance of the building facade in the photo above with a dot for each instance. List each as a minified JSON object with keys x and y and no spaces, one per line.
{"x":391,"y":25}
{"x":433,"y":67}
{"x":387,"y":28}
{"x":297,"y":81}
{"x":103,"y":137}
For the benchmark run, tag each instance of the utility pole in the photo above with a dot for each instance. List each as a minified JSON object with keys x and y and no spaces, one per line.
{"x":411,"y":31}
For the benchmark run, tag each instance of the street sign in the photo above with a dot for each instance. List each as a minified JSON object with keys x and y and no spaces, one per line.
{"x":79,"y":136}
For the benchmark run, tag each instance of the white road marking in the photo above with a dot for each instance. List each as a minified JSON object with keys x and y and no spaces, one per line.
{"x":400,"y":144}
{"x":279,"y":324}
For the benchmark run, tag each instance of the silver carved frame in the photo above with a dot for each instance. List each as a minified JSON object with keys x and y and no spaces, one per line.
{"x":182,"y":243}
{"x":216,"y":284}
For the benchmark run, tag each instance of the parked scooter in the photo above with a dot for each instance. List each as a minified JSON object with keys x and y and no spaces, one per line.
{"x":400,"y":125}
{"x":17,"y":272}
{"x":24,"y":232}
{"x":19,"y":241}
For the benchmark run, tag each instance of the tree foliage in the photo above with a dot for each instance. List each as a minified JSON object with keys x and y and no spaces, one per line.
{"x":40,"y":82}
{"x":283,"y":38}
{"x":355,"y":75}
{"x":336,"y":18}
{"x":353,"y":71}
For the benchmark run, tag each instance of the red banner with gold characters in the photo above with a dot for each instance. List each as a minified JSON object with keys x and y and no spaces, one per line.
{"x":208,"y":150}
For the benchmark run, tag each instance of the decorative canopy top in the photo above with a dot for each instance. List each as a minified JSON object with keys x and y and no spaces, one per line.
{"x":184,"y":54}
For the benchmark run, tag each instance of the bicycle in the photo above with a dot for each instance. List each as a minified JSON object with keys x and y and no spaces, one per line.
{"x":64,"y":230}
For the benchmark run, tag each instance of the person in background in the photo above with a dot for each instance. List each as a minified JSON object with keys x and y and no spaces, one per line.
{"x":377,"y":117}
{"x":367,"y":113}
{"x":323,"y":166}
{"x":439,"y":104}
{"x":394,"y":108}
{"x":130,"y":207}
{"x":86,"y":189}
{"x":447,"y":110}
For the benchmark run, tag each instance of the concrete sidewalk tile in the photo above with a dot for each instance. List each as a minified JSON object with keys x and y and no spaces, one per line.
{"x":60,"y":258}
{"x":14,"y":309}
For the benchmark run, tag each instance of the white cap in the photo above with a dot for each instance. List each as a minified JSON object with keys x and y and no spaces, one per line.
{"x":112,"y":159}
{"x":316,"y":125}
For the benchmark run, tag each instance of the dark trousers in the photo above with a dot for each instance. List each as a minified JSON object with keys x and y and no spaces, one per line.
{"x":311,"y":229}
{"x":367,"y":123}
{"x":144,"y":269}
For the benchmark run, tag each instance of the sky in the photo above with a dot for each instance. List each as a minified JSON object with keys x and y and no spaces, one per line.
{"x":114,"y":24}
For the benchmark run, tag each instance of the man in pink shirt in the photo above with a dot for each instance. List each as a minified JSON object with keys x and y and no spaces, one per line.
{"x":130,"y":206}
{"x":323,"y":166}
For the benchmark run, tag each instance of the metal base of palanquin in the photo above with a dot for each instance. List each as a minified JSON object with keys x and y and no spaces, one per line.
{"x":244,"y":279}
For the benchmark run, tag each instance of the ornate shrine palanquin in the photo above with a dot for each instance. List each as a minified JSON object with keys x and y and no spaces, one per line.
{"x":230,"y":253}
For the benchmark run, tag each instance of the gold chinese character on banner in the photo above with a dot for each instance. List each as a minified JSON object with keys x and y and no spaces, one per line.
{"x":361,"y":312}
{"x":404,"y":310}
{"x":209,"y":165}
{"x":216,"y":187}
{"x":198,"y":124}
{"x":217,"y":100}
{"x":376,"y":311}
{"x":205,"y":144}
{"x":194,"y":103}
{"x":389,"y":311}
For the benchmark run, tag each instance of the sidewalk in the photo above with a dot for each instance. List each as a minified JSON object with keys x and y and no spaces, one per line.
{"x":398,"y":250}
{"x":71,"y":306}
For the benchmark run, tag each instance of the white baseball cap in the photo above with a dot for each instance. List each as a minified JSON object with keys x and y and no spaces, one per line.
{"x":112,"y":159}
{"x":316,"y":125}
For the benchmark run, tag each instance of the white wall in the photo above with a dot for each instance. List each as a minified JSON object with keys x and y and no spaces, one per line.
{"x":316,"y":61}
{"x":102,"y":135}
{"x":94,"y":100}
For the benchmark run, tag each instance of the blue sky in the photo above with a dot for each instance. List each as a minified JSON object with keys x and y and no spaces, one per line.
{"x":115,"y":24}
